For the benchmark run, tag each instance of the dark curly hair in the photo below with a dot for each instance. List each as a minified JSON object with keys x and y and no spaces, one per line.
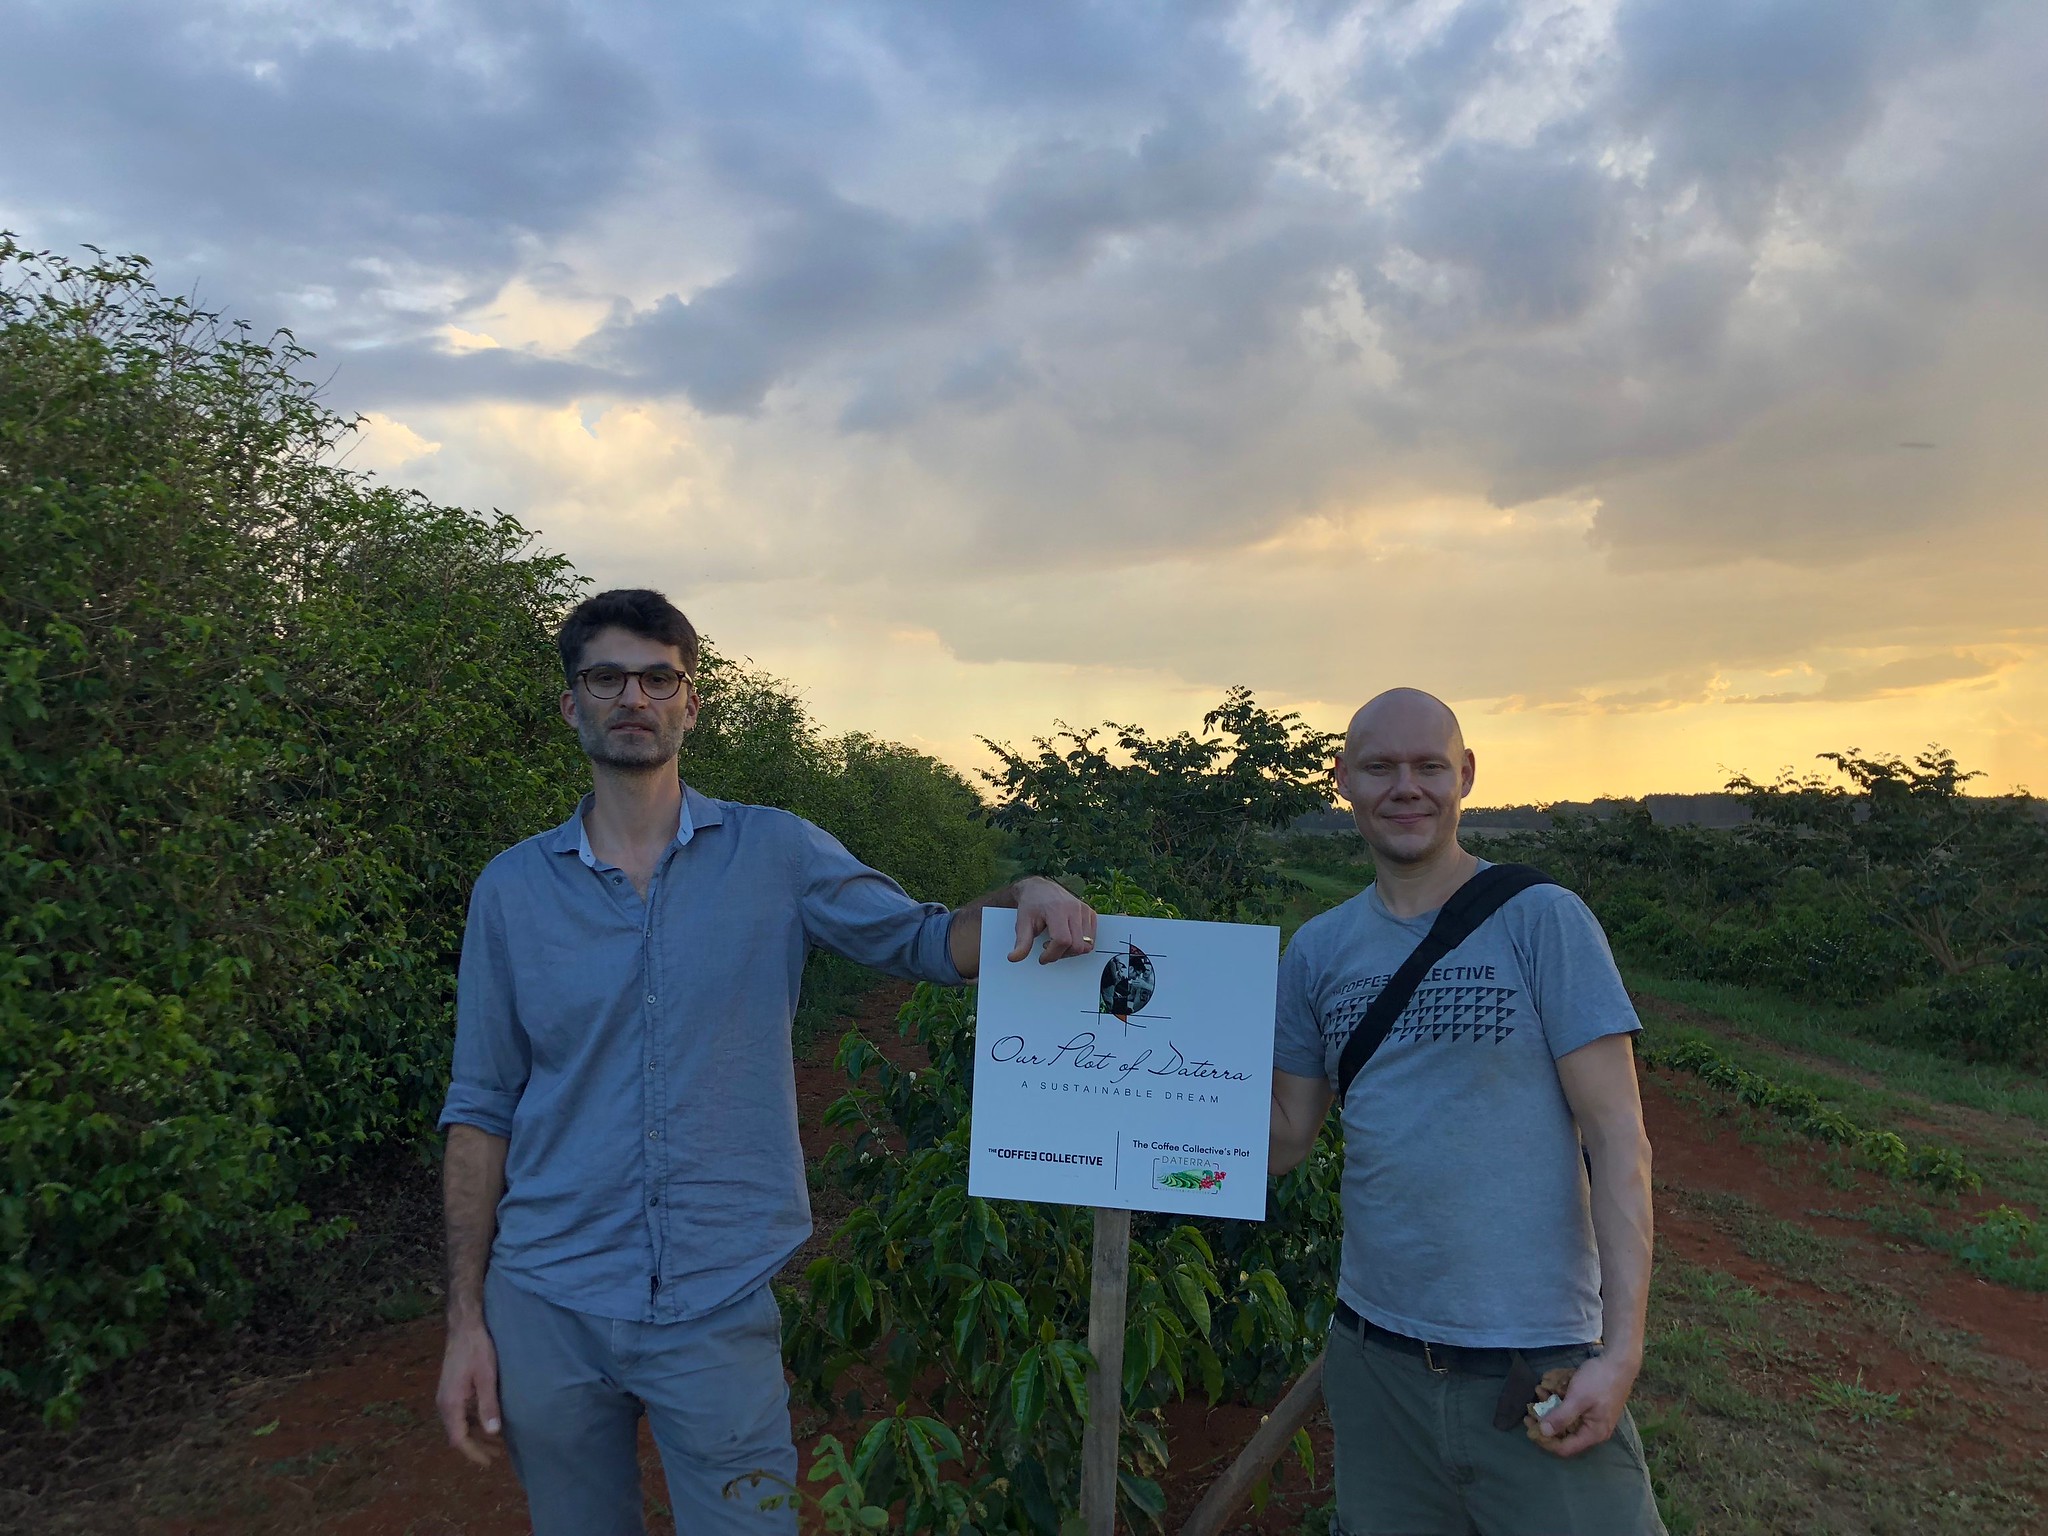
{"x":638,"y":611}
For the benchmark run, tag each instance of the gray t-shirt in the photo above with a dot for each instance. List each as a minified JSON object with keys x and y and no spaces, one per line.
{"x":1466,"y":1216}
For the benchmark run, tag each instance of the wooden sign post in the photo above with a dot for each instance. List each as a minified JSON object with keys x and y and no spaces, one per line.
{"x":1138,"y":1077}
{"x":1109,"y":1283}
{"x":1228,"y":1494}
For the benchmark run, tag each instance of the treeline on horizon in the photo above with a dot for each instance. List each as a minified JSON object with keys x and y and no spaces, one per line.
{"x":1879,"y":887}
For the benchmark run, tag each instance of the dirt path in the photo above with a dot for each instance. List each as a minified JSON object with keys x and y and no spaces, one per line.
{"x":1765,"y":1297}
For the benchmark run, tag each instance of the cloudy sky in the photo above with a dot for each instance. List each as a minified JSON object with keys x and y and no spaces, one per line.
{"x":1650,"y":378}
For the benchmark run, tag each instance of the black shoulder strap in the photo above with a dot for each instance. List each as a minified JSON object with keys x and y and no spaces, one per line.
{"x":1470,"y":905}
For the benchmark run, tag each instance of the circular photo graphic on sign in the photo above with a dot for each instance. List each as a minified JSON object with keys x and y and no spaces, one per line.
{"x":1128,"y":982}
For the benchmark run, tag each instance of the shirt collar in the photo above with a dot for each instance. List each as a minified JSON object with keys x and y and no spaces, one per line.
{"x":573,"y":837}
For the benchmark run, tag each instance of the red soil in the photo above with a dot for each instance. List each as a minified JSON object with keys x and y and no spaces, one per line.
{"x":1701,"y":1154}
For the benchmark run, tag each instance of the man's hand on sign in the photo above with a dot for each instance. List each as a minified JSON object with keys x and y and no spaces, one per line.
{"x":1047,"y":907}
{"x":1591,"y":1408}
{"x":1043,"y":907}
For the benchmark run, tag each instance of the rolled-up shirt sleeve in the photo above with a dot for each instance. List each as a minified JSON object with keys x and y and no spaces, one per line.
{"x":492,"y":1055}
{"x":863,"y":915}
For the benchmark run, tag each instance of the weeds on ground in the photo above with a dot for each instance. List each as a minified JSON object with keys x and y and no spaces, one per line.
{"x":1746,"y":1434}
{"x":1858,"y":1402}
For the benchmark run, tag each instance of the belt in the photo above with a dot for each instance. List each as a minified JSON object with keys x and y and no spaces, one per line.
{"x":1464,"y":1359}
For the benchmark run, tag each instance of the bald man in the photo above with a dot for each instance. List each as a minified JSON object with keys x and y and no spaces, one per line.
{"x":1478,"y":1240}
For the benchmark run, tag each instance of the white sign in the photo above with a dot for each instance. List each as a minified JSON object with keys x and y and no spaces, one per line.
{"x":1137,"y":1077}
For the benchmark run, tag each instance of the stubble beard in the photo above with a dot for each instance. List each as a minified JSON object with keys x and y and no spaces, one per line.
{"x":629,"y":754}
{"x":1414,"y":857}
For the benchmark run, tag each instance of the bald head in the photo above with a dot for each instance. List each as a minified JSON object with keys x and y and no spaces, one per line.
{"x":1406,"y":771}
{"x":1406,"y":715}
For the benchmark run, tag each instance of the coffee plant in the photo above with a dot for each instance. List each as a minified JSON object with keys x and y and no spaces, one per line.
{"x":1886,"y":1152}
{"x":976,"y":1310}
{"x":262,"y":720}
{"x":1884,"y":889}
{"x":1186,"y":816}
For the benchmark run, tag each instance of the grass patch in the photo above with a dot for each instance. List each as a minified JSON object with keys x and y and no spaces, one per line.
{"x":1843,"y":1035}
{"x":2004,"y":1245}
{"x":1320,"y":891}
{"x":1748,"y":1433}
{"x":1855,"y":1401}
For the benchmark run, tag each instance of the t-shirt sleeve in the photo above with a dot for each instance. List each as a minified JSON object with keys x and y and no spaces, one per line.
{"x":1297,"y":1032}
{"x":1578,"y":991}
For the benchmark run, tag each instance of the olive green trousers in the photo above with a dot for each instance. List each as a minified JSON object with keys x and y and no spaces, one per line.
{"x":1417,"y":1455}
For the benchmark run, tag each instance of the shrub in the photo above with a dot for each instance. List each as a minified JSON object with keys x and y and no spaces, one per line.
{"x":263,"y":720}
{"x":1891,"y":887}
{"x":1885,"y":1151}
{"x":976,"y":1309}
{"x":1184,"y":816}
{"x":1998,"y":1013}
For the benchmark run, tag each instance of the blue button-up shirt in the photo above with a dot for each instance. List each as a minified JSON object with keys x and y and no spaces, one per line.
{"x":636,"y":1054}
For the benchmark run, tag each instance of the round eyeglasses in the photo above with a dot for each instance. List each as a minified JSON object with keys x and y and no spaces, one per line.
{"x":610,"y":682}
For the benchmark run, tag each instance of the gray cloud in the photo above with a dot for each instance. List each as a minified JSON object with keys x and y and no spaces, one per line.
{"x":1055,"y":203}
{"x":1527,"y":235}
{"x":1906,"y":675}
{"x":1157,"y":275}
{"x":1747,"y":96}
{"x":1419,"y":92}
{"x":359,"y":169}
{"x":823,"y":278}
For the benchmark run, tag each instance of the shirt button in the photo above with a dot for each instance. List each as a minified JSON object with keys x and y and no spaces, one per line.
{"x":654,"y":1199}
{"x":650,"y":998}
{"x":654,"y":1135}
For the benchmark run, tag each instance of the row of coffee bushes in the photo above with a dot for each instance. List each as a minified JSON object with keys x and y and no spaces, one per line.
{"x":262,"y":719}
{"x":1882,"y":888}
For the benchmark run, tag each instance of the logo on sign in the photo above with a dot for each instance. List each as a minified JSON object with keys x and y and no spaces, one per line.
{"x":1129,"y":981}
{"x":1185,"y":1173}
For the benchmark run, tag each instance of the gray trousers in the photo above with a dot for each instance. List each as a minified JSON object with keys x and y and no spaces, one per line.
{"x":572,"y":1388}
{"x":1417,"y":1455}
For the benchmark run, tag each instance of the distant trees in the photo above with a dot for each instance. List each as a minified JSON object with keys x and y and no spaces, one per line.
{"x":1882,"y":884}
{"x":1965,"y":877}
{"x":897,"y":809}
{"x":1185,"y":816}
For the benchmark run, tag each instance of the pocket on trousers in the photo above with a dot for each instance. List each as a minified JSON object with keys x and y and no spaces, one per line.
{"x":1631,"y":1442}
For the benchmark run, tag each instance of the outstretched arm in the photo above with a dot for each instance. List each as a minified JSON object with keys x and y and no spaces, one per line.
{"x":1600,"y":1085}
{"x":1043,"y":906}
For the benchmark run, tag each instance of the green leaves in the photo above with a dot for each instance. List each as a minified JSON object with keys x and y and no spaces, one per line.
{"x":980,"y":1307}
{"x":1880,"y":883}
{"x":262,"y":721}
{"x":1885,"y":1151}
{"x":1179,"y":814}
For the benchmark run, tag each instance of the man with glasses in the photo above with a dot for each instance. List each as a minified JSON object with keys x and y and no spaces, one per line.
{"x":623,"y":1172}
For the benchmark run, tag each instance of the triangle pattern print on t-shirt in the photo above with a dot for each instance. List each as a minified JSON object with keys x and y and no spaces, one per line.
{"x":1461,"y":1011}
